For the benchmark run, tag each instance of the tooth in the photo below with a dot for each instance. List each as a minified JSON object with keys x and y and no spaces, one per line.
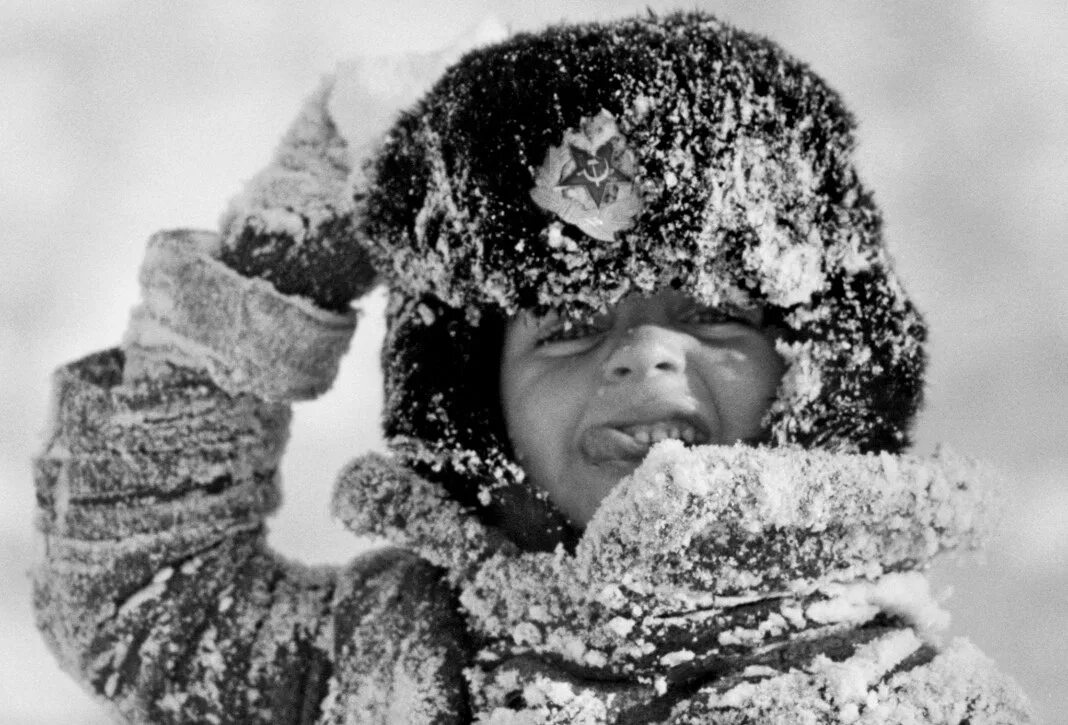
{"x":642,"y":436}
{"x":688,"y":434}
{"x":674,"y":434}
{"x":659,"y":433}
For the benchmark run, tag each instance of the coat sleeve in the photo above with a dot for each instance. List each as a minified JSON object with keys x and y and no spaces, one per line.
{"x":156,"y":588}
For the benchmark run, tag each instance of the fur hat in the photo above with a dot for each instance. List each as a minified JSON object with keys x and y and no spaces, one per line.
{"x":562,"y":170}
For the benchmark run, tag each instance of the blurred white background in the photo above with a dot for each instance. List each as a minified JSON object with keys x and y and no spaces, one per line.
{"x":121,"y":118}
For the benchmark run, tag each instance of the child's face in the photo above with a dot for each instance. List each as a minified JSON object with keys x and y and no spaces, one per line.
{"x":584,"y":405}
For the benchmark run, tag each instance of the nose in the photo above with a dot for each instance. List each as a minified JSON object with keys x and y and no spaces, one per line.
{"x":644,"y":352}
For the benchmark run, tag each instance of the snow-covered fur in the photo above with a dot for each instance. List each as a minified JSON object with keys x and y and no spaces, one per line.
{"x":780,"y":583}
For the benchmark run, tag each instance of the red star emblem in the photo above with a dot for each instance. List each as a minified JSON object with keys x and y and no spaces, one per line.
{"x":593,"y":172}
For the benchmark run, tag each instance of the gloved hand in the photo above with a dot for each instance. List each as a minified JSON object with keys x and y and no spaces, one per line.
{"x":295,"y":222}
{"x":263,"y":306}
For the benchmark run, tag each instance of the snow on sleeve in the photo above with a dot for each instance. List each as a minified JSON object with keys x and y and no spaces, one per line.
{"x":248,"y":337}
{"x":905,"y":594}
{"x":377,"y":496}
{"x":723,"y":551}
{"x":959,"y":685}
{"x":305,"y":185}
{"x":873,"y":686}
{"x":722,"y":515}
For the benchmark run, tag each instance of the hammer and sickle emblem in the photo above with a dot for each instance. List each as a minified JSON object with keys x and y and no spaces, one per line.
{"x":589,"y":179}
{"x":591,"y":172}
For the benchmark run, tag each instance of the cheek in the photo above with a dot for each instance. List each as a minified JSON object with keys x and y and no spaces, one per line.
{"x":742,"y":380}
{"x":541,"y":409}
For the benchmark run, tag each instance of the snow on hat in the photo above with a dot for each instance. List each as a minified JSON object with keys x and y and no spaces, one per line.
{"x":559,"y":171}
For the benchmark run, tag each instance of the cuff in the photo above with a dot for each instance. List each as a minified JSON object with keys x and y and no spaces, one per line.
{"x":249,"y":337}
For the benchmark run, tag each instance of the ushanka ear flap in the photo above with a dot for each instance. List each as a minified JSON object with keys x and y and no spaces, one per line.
{"x":443,"y":417}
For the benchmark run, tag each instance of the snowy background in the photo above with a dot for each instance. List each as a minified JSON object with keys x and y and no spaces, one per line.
{"x":118,"y":119}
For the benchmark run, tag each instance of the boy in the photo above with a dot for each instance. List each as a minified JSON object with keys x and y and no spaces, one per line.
{"x":584,"y":403}
{"x":596,"y":239}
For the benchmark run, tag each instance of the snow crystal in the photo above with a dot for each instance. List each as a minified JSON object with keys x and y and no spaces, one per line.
{"x":146,"y":594}
{"x":794,"y":614}
{"x":849,"y":681}
{"x":850,"y":605}
{"x":908,"y":595}
{"x":595,"y":658}
{"x":621,"y":625}
{"x":611,"y":597}
{"x":675,"y":658}
{"x":526,"y":633}
{"x":111,"y":685}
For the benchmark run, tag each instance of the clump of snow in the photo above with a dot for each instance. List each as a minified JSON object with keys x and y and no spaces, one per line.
{"x":548,"y":701}
{"x":369,"y":91}
{"x":677,"y":657}
{"x":622,"y":626}
{"x":905,"y":594}
{"x":870,"y":686}
{"x":802,"y":382}
{"x":848,"y":682}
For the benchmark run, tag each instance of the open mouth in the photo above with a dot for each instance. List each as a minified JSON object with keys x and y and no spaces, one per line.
{"x":632,"y":441}
{"x":680,"y":430}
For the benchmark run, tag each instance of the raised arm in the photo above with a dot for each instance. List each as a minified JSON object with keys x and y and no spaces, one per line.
{"x":156,"y":587}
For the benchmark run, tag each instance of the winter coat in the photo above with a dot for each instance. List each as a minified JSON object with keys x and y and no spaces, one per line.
{"x":725,"y":585}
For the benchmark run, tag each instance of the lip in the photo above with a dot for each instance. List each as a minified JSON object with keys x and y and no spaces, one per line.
{"x":603,"y":444}
{"x":606,"y":442}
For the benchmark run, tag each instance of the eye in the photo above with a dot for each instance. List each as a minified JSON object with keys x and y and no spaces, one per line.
{"x":568,"y":337}
{"x":706,"y":316}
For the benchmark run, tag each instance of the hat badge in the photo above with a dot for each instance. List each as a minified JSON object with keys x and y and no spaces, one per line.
{"x":588,"y":180}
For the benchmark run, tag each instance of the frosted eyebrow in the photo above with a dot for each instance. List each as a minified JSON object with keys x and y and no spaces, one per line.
{"x":753,"y":314}
{"x":543,"y":322}
{"x":553,"y":320}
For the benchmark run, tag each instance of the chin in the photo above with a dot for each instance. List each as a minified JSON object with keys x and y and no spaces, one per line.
{"x":597,"y":484}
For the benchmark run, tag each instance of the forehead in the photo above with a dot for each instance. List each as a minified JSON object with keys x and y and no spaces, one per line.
{"x":522,"y":330}
{"x":666,"y":300}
